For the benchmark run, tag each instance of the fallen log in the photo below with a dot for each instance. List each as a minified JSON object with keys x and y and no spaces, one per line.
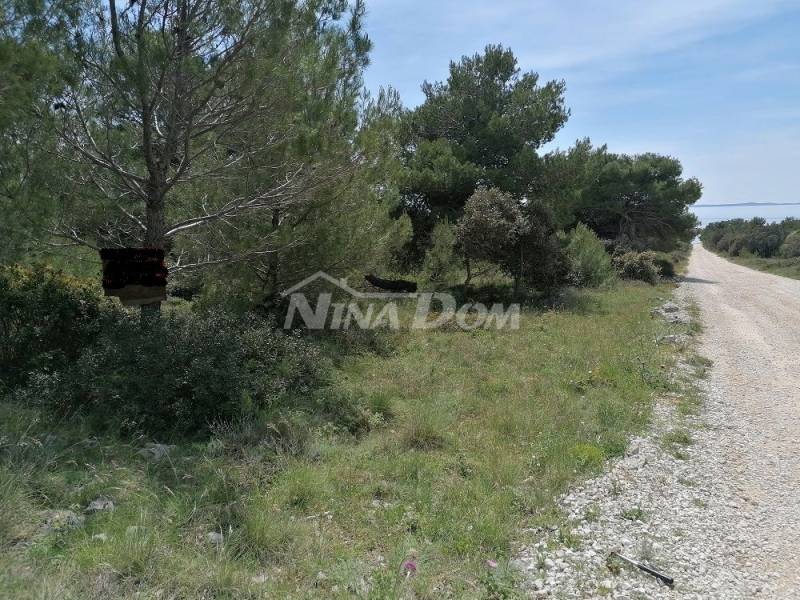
{"x":392,"y":285}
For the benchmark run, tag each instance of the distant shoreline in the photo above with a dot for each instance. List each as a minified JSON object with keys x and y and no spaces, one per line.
{"x":749,"y":204}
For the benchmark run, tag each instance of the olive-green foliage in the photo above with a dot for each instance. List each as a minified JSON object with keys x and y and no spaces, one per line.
{"x":589,"y":263}
{"x":756,"y":236}
{"x":72,"y":352}
{"x":47,"y":318}
{"x":491,"y":227}
{"x":791,"y":245}
{"x":441,"y":264}
{"x":480,"y":127}
{"x":32,"y":68}
{"x":346,"y":227}
{"x":681,"y":253}
{"x":665,"y":264}
{"x":642,"y":198}
{"x":520,"y":239}
{"x":639,"y":266}
{"x":178,"y":373}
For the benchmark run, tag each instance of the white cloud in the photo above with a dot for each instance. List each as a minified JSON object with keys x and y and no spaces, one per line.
{"x":582,"y":34}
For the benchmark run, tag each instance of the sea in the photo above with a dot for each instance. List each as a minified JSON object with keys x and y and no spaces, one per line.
{"x":771,"y":212}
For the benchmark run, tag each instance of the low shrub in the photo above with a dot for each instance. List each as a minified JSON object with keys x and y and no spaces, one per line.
{"x":617,"y":247}
{"x":46,"y":319}
{"x":589,"y":263}
{"x":736,"y":244}
{"x":791,"y":245}
{"x":587,"y":456}
{"x":518,"y":237}
{"x":441,"y":265}
{"x":640,"y":266}
{"x":424,"y":432}
{"x":755,"y":237}
{"x":74,"y":353}
{"x":486,"y":293}
{"x":177,"y":373}
{"x":678,"y":256}
{"x":681,"y":252}
{"x":666,"y":267}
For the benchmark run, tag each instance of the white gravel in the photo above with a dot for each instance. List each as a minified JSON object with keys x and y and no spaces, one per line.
{"x":721,"y":514}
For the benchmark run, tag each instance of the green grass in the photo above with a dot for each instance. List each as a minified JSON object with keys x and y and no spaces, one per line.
{"x":635,"y":514}
{"x":786,"y":267}
{"x":474,"y":436}
{"x":676,"y":442}
{"x":677,"y":437}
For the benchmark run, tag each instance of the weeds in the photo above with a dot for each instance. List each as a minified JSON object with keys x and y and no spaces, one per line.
{"x":677,"y":437}
{"x":469,"y":437}
{"x":635,"y":514}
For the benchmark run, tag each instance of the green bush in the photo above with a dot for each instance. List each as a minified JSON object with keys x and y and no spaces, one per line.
{"x":736,"y":245}
{"x":791,"y":245}
{"x":589,"y":263}
{"x":520,"y":238}
{"x":666,"y":267}
{"x":47,"y":318}
{"x":441,"y":265}
{"x":680,"y":253}
{"x":176,"y":374}
{"x":639,"y":266}
{"x":755,"y":237}
{"x":74,"y":353}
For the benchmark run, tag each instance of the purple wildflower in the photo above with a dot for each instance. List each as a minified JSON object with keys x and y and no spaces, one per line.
{"x":409,"y":568}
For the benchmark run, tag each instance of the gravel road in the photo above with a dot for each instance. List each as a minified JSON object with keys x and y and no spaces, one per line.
{"x":753,"y":336}
{"x":722,"y":514}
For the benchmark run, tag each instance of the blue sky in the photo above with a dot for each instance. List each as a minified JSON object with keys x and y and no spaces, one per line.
{"x":715,"y":83}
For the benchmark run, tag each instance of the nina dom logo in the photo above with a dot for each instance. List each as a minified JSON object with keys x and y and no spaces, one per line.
{"x":381,"y":310}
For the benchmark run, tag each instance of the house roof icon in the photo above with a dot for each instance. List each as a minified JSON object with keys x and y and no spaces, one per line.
{"x":342,"y":284}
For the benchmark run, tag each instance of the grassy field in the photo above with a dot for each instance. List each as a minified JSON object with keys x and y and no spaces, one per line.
{"x":787,"y":267}
{"x":475,"y":434}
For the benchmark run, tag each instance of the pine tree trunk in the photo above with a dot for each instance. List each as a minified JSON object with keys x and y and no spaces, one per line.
{"x":154,"y":238}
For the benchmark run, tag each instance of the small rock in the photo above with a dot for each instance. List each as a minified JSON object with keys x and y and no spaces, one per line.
{"x":100,"y":537}
{"x":155,"y":452}
{"x":215,"y":537}
{"x":261,"y":578}
{"x":57,"y":520}
{"x":99,"y":505}
{"x":633,"y":448}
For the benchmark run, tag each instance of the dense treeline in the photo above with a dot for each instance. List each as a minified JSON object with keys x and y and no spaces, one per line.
{"x":738,"y":237}
{"x":473,"y":142}
{"x":237,"y":137}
